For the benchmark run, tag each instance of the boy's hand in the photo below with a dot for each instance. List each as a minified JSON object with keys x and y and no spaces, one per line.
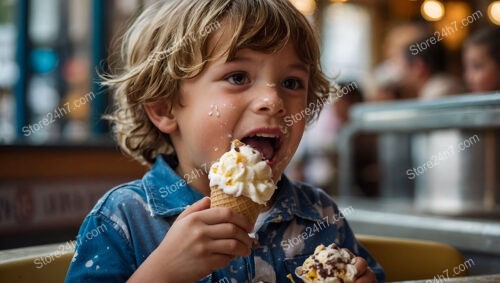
{"x":200,"y":240}
{"x":365,"y":274}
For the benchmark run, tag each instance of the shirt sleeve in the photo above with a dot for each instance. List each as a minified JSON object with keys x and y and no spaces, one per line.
{"x":102,"y":253}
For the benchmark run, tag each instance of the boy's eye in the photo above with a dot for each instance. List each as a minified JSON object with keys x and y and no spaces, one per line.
{"x":237,"y":78}
{"x":291,"y":83}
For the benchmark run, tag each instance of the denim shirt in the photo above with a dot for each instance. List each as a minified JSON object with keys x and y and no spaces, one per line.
{"x":131,"y":220}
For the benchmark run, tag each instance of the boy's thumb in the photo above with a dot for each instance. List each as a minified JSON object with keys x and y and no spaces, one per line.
{"x":202,"y":204}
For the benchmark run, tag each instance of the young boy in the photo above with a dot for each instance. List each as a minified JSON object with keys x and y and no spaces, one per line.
{"x":197,"y":75}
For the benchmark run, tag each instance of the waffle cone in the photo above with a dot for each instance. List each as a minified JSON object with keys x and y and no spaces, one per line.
{"x":241,"y":204}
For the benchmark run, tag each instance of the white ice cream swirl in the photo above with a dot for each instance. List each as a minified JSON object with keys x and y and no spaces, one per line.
{"x":242,"y":172}
{"x":329,"y":264}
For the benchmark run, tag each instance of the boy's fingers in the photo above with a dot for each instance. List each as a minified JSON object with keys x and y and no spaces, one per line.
{"x":229,"y":231}
{"x":220,"y":260}
{"x":202,"y":204}
{"x":367,"y":277}
{"x":227,"y":215}
{"x":229,"y":247}
{"x":361,"y":266}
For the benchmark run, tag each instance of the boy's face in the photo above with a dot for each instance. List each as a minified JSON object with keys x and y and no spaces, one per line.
{"x":246,"y":98}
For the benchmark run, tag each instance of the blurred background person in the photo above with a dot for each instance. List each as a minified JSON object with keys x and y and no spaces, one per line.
{"x":388,"y":78}
{"x":387,"y":83}
{"x":365,"y":170}
{"x":424,"y":69}
{"x":481,"y":60}
{"x":317,"y":162}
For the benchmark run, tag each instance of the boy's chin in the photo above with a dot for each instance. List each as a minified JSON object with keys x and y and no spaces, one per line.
{"x":279,"y":166}
{"x":277,"y":173}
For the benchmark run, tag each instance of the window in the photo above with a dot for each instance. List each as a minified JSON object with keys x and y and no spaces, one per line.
{"x":347,"y":41}
{"x":51,"y":52}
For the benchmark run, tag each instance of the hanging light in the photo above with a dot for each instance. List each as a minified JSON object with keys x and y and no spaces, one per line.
{"x":306,"y":7}
{"x":432,"y":10}
{"x":494,"y":12}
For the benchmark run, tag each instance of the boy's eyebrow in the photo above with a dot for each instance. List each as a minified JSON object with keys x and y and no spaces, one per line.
{"x":300,"y":67}
{"x":240,"y":59}
{"x":297,"y":66}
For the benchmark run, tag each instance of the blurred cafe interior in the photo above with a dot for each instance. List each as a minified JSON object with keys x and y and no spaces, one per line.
{"x":411,"y":142}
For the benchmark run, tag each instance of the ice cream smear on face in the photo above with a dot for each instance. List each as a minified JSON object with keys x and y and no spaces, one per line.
{"x":329,"y":265}
{"x":243,"y":172}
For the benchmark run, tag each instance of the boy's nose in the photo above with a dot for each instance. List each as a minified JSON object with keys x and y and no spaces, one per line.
{"x":269,"y":103}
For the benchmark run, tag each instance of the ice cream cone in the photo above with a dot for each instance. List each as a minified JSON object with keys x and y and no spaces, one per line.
{"x":241,"y":204}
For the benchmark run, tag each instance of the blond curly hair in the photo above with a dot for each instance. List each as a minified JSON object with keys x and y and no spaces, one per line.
{"x":166,"y":42}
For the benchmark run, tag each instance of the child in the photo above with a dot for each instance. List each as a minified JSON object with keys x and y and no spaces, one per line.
{"x":482,"y":60}
{"x":197,"y":75}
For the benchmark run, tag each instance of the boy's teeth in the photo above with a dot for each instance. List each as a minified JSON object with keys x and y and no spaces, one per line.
{"x":266,"y":135}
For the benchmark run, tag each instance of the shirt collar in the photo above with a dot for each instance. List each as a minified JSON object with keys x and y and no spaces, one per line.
{"x":168,"y":194}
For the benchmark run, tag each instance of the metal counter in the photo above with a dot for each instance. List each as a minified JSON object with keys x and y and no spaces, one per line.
{"x":475,"y":238}
{"x":410,"y":133}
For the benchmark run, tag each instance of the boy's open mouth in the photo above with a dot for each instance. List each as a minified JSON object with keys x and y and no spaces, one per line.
{"x":267,"y":144}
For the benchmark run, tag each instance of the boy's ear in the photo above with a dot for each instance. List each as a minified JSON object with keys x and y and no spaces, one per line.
{"x":160,"y":115}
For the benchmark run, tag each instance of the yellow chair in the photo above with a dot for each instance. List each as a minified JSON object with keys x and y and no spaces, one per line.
{"x":408,"y":259}
{"x":48,"y":263}
{"x":401,"y":259}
